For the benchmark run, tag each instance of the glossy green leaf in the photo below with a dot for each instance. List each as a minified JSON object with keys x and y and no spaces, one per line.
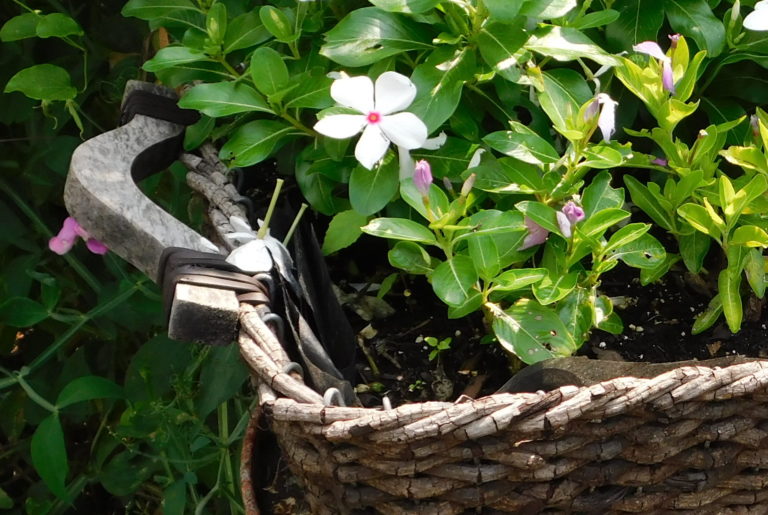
{"x":198,"y":133}
{"x":453,"y":280}
{"x":20,"y":27}
{"x":652,"y":205}
{"x":529,"y":148}
{"x":411,"y":257}
{"x":599,"y":195}
{"x":553,"y":288}
{"x":576,"y":313}
{"x":57,"y":25}
{"x":651,"y":275}
{"x":172,"y":56}
{"x":485,"y":254}
{"x":540,"y":213}
{"x":175,"y":498}
{"x":694,"y":18}
{"x":49,"y":454}
{"x":405,"y":6}
{"x":368,"y":35}
{"x":371,"y":190}
{"x":500,"y":47}
{"x":547,"y":9}
{"x":277,"y":23}
{"x":700,"y":219}
{"x":472,"y":304}
{"x":531,"y":332}
{"x":728,"y":285}
{"x":709,"y":316}
{"x":602,"y":156}
{"x":343,"y":231}
{"x":693,"y":249}
{"x":437,"y":200}
{"x":22,"y":312}
{"x":639,"y":20}
{"x":313,"y":90}
{"x":518,"y":278}
{"x":508,"y":175}
{"x":400,"y":229}
{"x":86,"y":388}
{"x":42,"y":82}
{"x":562,"y":92}
{"x":255,"y":141}
{"x":596,"y":19}
{"x":221,"y":378}
{"x":643,"y":252}
{"x":268,"y":71}
{"x":153,"y":9}
{"x":503,"y":10}
{"x":245,"y":31}
{"x":494,"y":223}
{"x":223,"y":99}
{"x":568,"y":44}
{"x":749,"y":236}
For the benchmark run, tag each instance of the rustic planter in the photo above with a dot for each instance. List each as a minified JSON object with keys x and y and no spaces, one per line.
{"x":693,"y":439}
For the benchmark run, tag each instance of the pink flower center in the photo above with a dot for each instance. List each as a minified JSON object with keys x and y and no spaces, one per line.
{"x":373,"y":117}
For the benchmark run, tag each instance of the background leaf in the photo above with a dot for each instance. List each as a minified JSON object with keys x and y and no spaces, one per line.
{"x":49,"y":454}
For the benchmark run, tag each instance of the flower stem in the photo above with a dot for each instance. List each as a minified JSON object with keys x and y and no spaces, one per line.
{"x":295,"y":223}
{"x":270,"y":210}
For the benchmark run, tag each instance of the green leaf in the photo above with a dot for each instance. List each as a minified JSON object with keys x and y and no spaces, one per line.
{"x":453,"y":280}
{"x":49,"y":454}
{"x":694,"y":18}
{"x":245,"y":31}
{"x":277,"y":23}
{"x":152,"y":9}
{"x":175,"y":496}
{"x":754,"y":267}
{"x":172,"y":56}
{"x":568,"y":44}
{"x":562,"y":92}
{"x":223,"y":99}
{"x":709,"y":316}
{"x":503,"y":10}
{"x":602,"y":156}
{"x":500,"y":44}
{"x":531,"y":331}
{"x":643,"y":252}
{"x":439,"y":86}
{"x":494,"y":223}
{"x":472,"y":304}
{"x":400,"y":229}
{"x":596,"y":19}
{"x":551,"y":289}
{"x":547,"y":9}
{"x":222,"y":377}
{"x":747,"y":157}
{"x":728,"y":285}
{"x":371,"y":190}
{"x":700,"y":219}
{"x":86,"y":388}
{"x":411,"y":257}
{"x":749,"y":236}
{"x":598,"y":223}
{"x":6,"y":503}
{"x":125,"y":473}
{"x":268,"y":71}
{"x":438,"y":200}
{"x":639,"y":20}
{"x":508,"y":175}
{"x":518,"y":278}
{"x":529,"y":148}
{"x":576,"y":313}
{"x":600,"y":195}
{"x":368,"y":35}
{"x":197,"y":133}
{"x":343,"y":231}
{"x":693,"y":250}
{"x":540,"y":213}
{"x":651,"y":204}
{"x":22,"y":312}
{"x":20,"y":27}
{"x":42,"y":82}
{"x":405,"y":6}
{"x":255,"y":141}
{"x":485,"y":254}
{"x":313,"y":90}
{"x":57,"y":25}
{"x":651,"y":275}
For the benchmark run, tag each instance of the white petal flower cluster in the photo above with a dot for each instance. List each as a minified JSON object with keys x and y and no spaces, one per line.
{"x":381,"y":117}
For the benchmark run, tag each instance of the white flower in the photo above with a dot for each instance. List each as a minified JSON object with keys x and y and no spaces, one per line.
{"x":381,"y":120}
{"x":758,"y":19}
{"x":607,"y":119}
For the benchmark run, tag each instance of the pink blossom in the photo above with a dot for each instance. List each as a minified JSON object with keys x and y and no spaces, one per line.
{"x":654,"y":50}
{"x":536,"y":235}
{"x":569,"y":215}
{"x":422,"y":177}
{"x":659,"y":161}
{"x":67,"y":237}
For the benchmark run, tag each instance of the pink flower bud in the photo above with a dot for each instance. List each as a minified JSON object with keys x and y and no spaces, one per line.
{"x":70,"y":231}
{"x":573,"y":212}
{"x":536,"y":235}
{"x":422,"y":177}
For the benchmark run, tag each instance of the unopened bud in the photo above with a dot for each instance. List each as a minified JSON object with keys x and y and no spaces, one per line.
{"x":467,"y":186}
{"x":422,"y":177}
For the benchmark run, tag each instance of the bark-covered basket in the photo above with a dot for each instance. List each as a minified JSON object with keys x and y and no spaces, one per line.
{"x":691,"y":439}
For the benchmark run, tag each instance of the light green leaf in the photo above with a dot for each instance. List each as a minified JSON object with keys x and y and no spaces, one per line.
{"x":49,"y":454}
{"x":42,"y":82}
{"x":368,"y":35}
{"x":438,"y":200}
{"x":643,"y":252}
{"x":531,"y":332}
{"x":599,"y":195}
{"x":754,"y":267}
{"x":728,"y":285}
{"x":749,"y":236}
{"x":172,"y":56}
{"x":20,"y":27}
{"x":540,"y":213}
{"x":500,"y":44}
{"x":371,"y":190}
{"x":277,"y":23}
{"x":700,"y":219}
{"x":709,"y":316}
{"x":694,"y":18}
{"x":551,"y":289}
{"x":57,"y":25}
{"x":343,"y":231}
{"x":652,"y":205}
{"x":568,"y":44}
{"x":405,"y":6}
{"x":518,"y":278}
{"x":562,"y":92}
{"x":693,"y":249}
{"x":508,"y":175}
{"x":453,"y":280}
{"x":598,"y":223}
{"x":223,"y":99}
{"x":86,"y":388}
{"x":529,"y":148}
{"x":596,"y":19}
{"x":576,"y":313}
{"x":245,"y":31}
{"x":268,"y":71}
{"x":485,"y":255}
{"x":651,"y":275}
{"x":547,"y":9}
{"x":153,"y":9}
{"x":400,"y":229}
{"x":255,"y":141}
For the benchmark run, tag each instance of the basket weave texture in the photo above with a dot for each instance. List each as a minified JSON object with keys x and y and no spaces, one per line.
{"x":694,"y":439}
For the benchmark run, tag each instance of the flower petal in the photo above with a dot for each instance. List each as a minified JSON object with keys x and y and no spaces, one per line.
{"x":340,"y":126}
{"x":536,"y":235}
{"x":371,"y":146}
{"x":666,"y":76}
{"x":96,"y":246}
{"x":651,"y":48}
{"x":404,"y":130}
{"x":70,"y":229}
{"x":422,"y":177}
{"x":407,"y":165}
{"x":436,"y":142}
{"x":564,"y":224}
{"x":61,"y":245}
{"x":607,"y":119}
{"x":354,"y":92}
{"x":394,"y":92}
{"x":757,"y":19}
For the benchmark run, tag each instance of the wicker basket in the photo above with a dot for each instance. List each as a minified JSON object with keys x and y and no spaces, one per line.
{"x":694,"y":439}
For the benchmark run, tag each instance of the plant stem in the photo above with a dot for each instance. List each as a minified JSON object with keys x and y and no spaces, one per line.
{"x":295,"y":223}
{"x":296,"y":123}
{"x":33,"y":395}
{"x":265,"y":226}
